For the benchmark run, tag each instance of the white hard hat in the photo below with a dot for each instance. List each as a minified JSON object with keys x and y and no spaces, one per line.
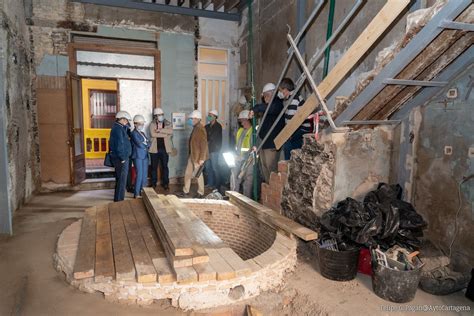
{"x":123,"y":114}
{"x":214,"y":112}
{"x":195,"y":114}
{"x":138,"y":119}
{"x":245,"y":114}
{"x":242,"y":100}
{"x":268,"y":87}
{"x":158,"y":111}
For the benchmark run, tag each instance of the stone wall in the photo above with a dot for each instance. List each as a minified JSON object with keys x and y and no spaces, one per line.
{"x":18,"y":106}
{"x":340,"y":165}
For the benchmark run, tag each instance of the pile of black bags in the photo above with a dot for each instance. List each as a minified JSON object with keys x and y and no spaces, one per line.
{"x":381,"y":219}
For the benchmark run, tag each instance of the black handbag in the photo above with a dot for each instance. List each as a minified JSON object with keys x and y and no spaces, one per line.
{"x":108,"y":160}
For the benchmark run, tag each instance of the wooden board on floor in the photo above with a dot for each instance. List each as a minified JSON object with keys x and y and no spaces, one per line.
{"x":272,"y":217}
{"x":146,"y":272}
{"x":224,"y":270}
{"x":178,"y":243}
{"x":104,"y":256}
{"x":85,"y":258}
{"x":186,"y":275}
{"x":124,"y":267}
{"x":205,"y":272}
{"x":153,"y":244}
{"x":359,"y":48}
{"x":240,"y":267}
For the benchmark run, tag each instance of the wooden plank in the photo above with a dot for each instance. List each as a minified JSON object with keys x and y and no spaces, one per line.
{"x":205,"y":272}
{"x":223,"y":269}
{"x":240,"y":267}
{"x":157,"y":254}
{"x":186,"y":275}
{"x":175,"y":262}
{"x":267,"y":258}
{"x":270,"y":216}
{"x":124,"y":267}
{"x":143,"y":265}
{"x":104,"y":256}
{"x":358,"y":49}
{"x":85,"y":257}
{"x":253,"y":265}
{"x":166,"y":218}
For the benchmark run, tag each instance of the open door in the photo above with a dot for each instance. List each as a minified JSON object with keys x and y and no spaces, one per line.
{"x":76,"y":130}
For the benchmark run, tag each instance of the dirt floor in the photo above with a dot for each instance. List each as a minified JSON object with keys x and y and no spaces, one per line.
{"x":31,"y":286}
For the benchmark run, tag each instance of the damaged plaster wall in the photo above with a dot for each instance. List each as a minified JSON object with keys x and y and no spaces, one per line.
{"x":444,"y":158}
{"x":338,"y":166}
{"x":271,"y":18}
{"x":19,"y":111}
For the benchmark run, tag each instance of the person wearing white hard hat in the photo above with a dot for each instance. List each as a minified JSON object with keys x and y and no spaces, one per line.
{"x":161,"y":132}
{"x":269,"y":156}
{"x":198,"y":153}
{"x":214,"y":143}
{"x":243,"y":141}
{"x":140,"y":145}
{"x":120,"y":150}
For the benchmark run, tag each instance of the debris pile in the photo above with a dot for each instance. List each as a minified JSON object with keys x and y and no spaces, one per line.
{"x":382,"y":220}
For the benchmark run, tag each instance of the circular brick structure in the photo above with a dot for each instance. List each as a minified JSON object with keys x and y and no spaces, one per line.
{"x":270,"y":254}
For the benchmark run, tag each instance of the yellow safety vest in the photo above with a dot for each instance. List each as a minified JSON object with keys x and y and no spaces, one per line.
{"x":246,"y":142}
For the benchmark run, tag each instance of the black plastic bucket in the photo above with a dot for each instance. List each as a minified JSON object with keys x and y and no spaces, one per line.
{"x":338,"y":265}
{"x":395,"y":285}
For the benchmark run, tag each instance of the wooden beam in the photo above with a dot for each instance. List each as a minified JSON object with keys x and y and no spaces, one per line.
{"x":272,"y":217}
{"x":104,"y":255}
{"x":85,"y":257}
{"x":230,"y":4}
{"x":386,"y":16}
{"x":206,"y":3}
{"x":124,"y":267}
{"x":218,"y":4}
{"x":146,"y":272}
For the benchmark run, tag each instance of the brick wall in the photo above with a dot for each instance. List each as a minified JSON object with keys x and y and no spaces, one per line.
{"x":271,"y":192}
{"x":238,"y":228}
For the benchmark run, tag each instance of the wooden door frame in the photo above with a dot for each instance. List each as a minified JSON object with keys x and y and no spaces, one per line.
{"x":74,"y":47}
{"x":71,"y":128}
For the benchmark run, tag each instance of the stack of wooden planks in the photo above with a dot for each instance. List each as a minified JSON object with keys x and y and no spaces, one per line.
{"x":193,"y":250}
{"x":271,"y":217}
{"x":157,"y":239}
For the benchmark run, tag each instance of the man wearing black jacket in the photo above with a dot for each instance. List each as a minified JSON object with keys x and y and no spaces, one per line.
{"x":214,"y":143}
{"x":269,"y":155}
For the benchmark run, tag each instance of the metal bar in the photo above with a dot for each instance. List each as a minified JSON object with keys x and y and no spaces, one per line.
{"x":415,"y":82}
{"x":448,"y":24}
{"x":157,"y":7}
{"x":287,"y":64}
{"x":311,"y":81}
{"x":300,"y":17}
{"x":374,"y":122}
{"x":5,"y":203}
{"x":327,"y":52}
{"x":312,"y":63}
{"x":429,"y":32}
{"x":463,"y":62}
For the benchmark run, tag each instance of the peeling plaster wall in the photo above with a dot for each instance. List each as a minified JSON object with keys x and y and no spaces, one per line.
{"x":271,"y":18}
{"x":18,"y":108}
{"x":447,"y":122}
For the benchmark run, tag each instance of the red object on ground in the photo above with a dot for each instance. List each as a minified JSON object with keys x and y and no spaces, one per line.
{"x":134,"y":175}
{"x":365,"y":262}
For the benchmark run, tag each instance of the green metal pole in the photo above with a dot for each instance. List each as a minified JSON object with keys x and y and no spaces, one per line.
{"x":327,"y":53}
{"x":254,"y":120}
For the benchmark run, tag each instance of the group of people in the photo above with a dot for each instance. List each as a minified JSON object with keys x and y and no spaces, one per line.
{"x":205,"y":144}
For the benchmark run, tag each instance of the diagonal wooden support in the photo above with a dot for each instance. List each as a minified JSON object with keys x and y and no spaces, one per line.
{"x":385,"y":17}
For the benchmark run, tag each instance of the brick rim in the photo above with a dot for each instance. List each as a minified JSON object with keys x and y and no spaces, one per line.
{"x":197,"y":295}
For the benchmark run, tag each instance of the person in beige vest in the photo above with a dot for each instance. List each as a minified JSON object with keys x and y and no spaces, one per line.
{"x":161,"y":132}
{"x":198,"y":154}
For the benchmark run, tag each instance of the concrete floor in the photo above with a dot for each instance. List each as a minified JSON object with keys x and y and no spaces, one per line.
{"x":31,"y":286}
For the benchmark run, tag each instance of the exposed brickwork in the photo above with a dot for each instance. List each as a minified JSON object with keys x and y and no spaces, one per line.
{"x":269,"y":268}
{"x":271,"y":193}
{"x":237,"y":227}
